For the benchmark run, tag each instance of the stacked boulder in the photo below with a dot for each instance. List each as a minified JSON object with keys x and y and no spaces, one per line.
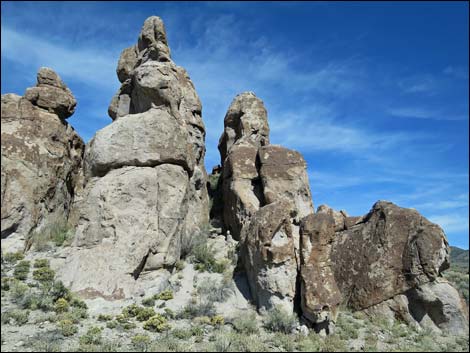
{"x":389,"y":260}
{"x":265,"y":194}
{"x":41,"y":159}
{"x":145,"y":183}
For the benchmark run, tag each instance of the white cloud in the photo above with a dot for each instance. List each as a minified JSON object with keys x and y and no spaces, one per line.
{"x":451,"y":222}
{"x":423,"y":113}
{"x":87,"y":65}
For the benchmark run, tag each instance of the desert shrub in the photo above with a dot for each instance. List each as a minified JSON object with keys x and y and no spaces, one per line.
{"x":22,"y":270}
{"x":130,"y":311}
{"x":41,"y":263}
{"x":6,"y":283}
{"x":61,"y":305}
{"x":75,"y":315}
{"x":92,"y":336}
{"x":286,"y":342}
{"x":164,"y":295}
{"x":217,"y":320}
{"x":347,"y":327}
{"x":214,"y":290}
{"x":148,"y":301}
{"x":17,"y":290}
{"x":156,"y":323}
{"x":77,"y":302}
{"x":168,"y":313}
{"x":277,"y":320}
{"x":246,"y":324}
{"x":57,"y":232}
{"x":145,"y":314}
{"x":197,"y":331}
{"x":30,"y":300}
{"x":202,"y":320}
{"x":179,"y":265}
{"x":333,"y":343}
{"x":235,"y":342}
{"x":141,"y":343}
{"x":312,"y":343}
{"x":43,"y":317}
{"x":19,"y":317}
{"x":201,"y":308}
{"x":12,"y":257}
{"x":67,"y":328}
{"x":59,"y":290}
{"x":182,"y":334}
{"x":43,"y":274}
{"x":104,"y":317}
{"x":167,"y":344}
{"x":112,"y":324}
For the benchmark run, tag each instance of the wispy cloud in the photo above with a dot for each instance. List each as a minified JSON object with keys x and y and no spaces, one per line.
{"x":423,"y":113}
{"x":458,"y":72}
{"x":451,"y":222}
{"x":90,"y":66}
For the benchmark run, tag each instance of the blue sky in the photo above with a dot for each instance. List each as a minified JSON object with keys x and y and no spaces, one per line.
{"x":375,"y":95}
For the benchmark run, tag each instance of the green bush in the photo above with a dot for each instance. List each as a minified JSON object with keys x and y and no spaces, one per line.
{"x":112,"y":324}
{"x":7,"y":282}
{"x":67,"y":328}
{"x":44,"y":274}
{"x":157,"y":323}
{"x":148,"y":301}
{"x":104,"y":317}
{"x":41,"y":263}
{"x":168,"y":313}
{"x":77,"y":302}
{"x":61,"y":305}
{"x":92,"y":336}
{"x":217,"y":320}
{"x":59,"y":290}
{"x":214,"y":290}
{"x":13,"y":257}
{"x":277,"y":320}
{"x":164,"y":295}
{"x":17,"y":290}
{"x":57,"y":232}
{"x":19,"y":317}
{"x":141,"y":342}
{"x":201,"y":308}
{"x":182,"y":334}
{"x":246,"y":324}
{"x":22,"y":270}
{"x":145,"y":314}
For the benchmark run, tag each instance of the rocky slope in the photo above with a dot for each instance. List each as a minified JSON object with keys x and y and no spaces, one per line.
{"x":138,"y":203}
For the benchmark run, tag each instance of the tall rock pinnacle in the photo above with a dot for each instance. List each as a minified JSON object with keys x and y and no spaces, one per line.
{"x":145,"y":187}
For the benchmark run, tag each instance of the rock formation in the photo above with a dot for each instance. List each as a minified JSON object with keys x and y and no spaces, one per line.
{"x":145,"y":181}
{"x":315,"y":262}
{"x":41,"y":158}
{"x":265,"y":195}
{"x":140,"y":193}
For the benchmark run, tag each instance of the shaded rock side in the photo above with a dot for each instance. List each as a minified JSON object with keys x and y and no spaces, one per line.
{"x":268,"y":255}
{"x":41,"y":159}
{"x":319,"y":294}
{"x":145,"y":181}
{"x":391,"y":251}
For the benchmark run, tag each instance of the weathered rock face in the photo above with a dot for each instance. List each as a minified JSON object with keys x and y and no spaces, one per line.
{"x":265,"y":194}
{"x":256,"y":173}
{"x":320,"y":295}
{"x":269,"y":256}
{"x":388,"y":261}
{"x":394,"y":249}
{"x":41,"y":158}
{"x":145,"y":178}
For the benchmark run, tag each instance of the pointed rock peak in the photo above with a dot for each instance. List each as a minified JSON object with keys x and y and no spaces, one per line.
{"x":47,"y":76}
{"x":152,"y":39}
{"x":246,"y":122}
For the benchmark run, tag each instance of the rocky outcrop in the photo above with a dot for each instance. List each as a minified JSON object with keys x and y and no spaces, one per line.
{"x":41,"y":159}
{"x":265,"y":194}
{"x":315,"y":262}
{"x":388,"y":261}
{"x":145,"y":181}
